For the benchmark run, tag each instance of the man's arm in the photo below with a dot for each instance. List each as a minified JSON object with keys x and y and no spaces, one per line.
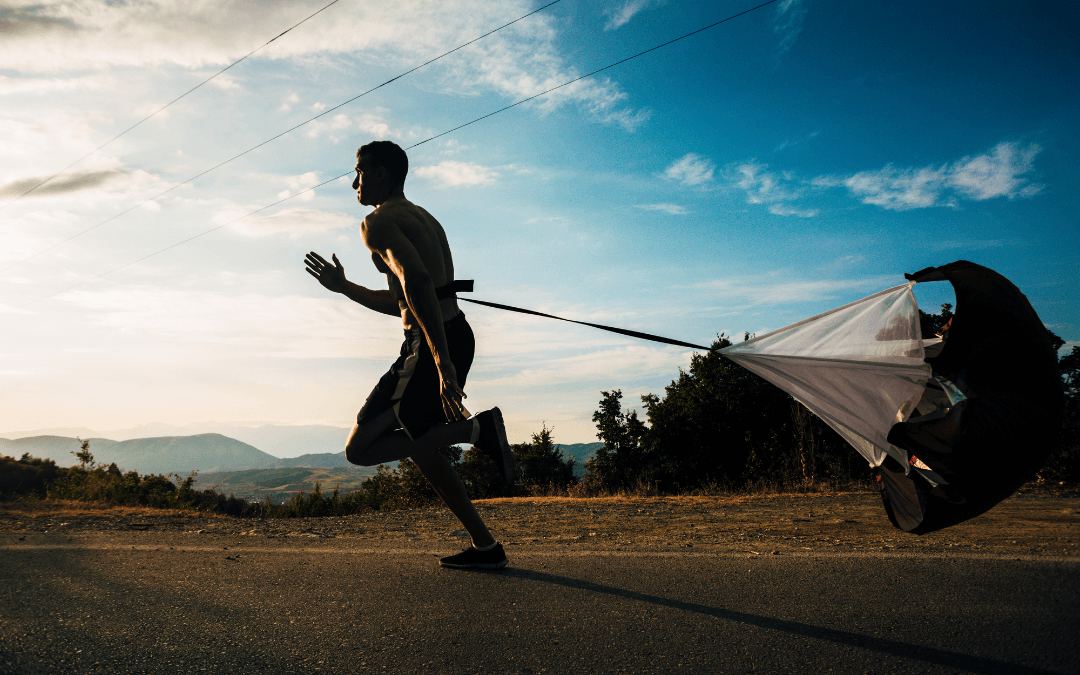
{"x":332,"y":277}
{"x":386,"y":239}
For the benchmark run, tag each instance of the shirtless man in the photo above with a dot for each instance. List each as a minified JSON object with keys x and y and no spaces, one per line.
{"x":416,"y":408}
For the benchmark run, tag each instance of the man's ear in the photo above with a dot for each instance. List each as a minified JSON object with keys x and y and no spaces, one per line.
{"x":380,"y":174}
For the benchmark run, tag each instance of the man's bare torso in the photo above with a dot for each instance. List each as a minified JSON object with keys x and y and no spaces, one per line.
{"x":427,"y":237}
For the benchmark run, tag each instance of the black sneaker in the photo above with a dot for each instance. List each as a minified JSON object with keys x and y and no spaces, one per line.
{"x":471,"y":558}
{"x":492,"y":442}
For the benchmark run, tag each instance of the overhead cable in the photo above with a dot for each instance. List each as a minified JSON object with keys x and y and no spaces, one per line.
{"x":269,"y":140}
{"x":347,"y":173}
{"x":325,"y":7}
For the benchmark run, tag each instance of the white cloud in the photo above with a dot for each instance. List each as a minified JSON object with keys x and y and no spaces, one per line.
{"x":519,"y":61}
{"x":450,"y":173}
{"x":774,"y":289}
{"x":621,"y":14}
{"x":295,"y":223}
{"x":790,"y":144}
{"x":786,"y":210}
{"x":72,"y":181}
{"x":761,"y":186}
{"x":299,"y":183}
{"x":24,"y":85}
{"x":225,"y":82}
{"x":691,"y":170}
{"x":343,"y":125}
{"x":673,"y":209}
{"x":894,"y":189}
{"x":997,"y":173}
{"x":787,"y":23}
{"x":289,"y":326}
{"x":596,"y":366}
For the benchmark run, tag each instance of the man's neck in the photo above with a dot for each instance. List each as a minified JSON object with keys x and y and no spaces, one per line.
{"x":397,"y":194}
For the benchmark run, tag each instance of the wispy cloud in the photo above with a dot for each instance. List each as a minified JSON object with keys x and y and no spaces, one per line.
{"x":790,"y":144}
{"x":596,"y":366}
{"x":779,"y":288}
{"x":55,"y":36}
{"x":23,"y":85}
{"x":997,"y":173}
{"x":673,"y":209}
{"x":691,"y":170}
{"x":300,"y":183}
{"x":294,"y":223}
{"x":73,"y":181}
{"x":288,"y":326}
{"x":620,"y":14}
{"x":342,"y":126}
{"x":892,"y":188}
{"x":451,"y":173}
{"x":775,"y":190}
{"x":787,"y":23}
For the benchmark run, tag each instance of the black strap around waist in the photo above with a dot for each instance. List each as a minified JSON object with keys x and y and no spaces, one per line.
{"x":454,"y":287}
{"x":449,"y":290}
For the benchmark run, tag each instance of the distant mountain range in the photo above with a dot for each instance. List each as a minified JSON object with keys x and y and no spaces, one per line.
{"x":211,"y":452}
{"x":276,"y":439}
{"x":164,"y":454}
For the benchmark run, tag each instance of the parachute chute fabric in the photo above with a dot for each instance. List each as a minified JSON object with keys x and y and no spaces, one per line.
{"x":951,"y":426}
{"x":861,"y":367}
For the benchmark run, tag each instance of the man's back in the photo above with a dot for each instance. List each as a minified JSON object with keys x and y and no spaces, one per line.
{"x":399,"y":218}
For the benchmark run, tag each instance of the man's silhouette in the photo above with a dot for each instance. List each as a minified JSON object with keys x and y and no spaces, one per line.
{"x":416,"y":407}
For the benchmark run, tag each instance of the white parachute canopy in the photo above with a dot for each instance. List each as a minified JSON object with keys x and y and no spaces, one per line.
{"x":859,"y":367}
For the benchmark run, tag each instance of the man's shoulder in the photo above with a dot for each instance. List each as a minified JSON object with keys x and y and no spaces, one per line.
{"x":380,"y":222}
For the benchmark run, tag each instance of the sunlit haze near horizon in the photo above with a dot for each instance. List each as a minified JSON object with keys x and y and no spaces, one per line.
{"x":788,"y":161}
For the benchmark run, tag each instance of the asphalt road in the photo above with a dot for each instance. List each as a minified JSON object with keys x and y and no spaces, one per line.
{"x":167,"y":603}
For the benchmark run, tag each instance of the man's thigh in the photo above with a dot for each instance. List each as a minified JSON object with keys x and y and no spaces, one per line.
{"x":363,"y":435}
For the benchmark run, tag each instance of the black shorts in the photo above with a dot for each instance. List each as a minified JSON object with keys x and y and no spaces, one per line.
{"x":411,"y":387}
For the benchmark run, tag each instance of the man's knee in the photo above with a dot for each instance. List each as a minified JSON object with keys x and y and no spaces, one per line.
{"x":356,"y":447}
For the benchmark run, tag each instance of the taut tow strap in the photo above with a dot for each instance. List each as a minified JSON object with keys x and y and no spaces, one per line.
{"x":466,"y":286}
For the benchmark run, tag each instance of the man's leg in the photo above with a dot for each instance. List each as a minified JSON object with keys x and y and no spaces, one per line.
{"x":379,"y":442}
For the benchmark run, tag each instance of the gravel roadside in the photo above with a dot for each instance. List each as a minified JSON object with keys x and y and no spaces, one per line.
{"x":1026,"y":524}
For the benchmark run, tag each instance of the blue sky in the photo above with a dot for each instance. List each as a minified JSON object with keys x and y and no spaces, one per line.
{"x":788,"y":161}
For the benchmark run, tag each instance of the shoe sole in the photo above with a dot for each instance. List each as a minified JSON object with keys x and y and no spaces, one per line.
{"x":504,"y":446}
{"x":477,"y":566}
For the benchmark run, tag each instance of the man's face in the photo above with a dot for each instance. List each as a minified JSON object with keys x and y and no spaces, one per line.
{"x":365,"y":170}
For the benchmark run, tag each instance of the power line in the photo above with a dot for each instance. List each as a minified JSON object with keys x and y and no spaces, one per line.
{"x":598,"y":70}
{"x":162,"y":108}
{"x":524,"y":100}
{"x":269,"y":140}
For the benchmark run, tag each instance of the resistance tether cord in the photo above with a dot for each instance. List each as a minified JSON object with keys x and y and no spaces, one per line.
{"x":466,"y":286}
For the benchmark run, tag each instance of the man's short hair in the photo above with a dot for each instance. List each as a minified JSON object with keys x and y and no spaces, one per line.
{"x":389,"y":155}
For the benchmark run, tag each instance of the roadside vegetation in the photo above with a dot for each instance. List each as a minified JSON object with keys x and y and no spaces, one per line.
{"x":717,"y":429}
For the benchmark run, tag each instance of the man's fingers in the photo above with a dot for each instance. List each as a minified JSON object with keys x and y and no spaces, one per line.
{"x":336,"y":261}
{"x":318,"y":257}
{"x":455,"y":412}
{"x":314,"y":274}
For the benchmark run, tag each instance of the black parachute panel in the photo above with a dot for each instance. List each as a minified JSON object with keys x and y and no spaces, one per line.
{"x":997,"y":359}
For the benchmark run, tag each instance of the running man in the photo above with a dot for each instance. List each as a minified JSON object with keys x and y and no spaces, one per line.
{"x":417,"y":406}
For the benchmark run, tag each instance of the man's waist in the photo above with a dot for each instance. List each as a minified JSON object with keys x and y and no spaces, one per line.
{"x":417,"y":332}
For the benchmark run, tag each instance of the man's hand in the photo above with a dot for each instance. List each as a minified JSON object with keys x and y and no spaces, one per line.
{"x":452,"y":394}
{"x":332,"y":277}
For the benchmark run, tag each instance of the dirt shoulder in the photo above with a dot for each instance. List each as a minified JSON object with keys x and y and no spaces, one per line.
{"x":1025,"y":524}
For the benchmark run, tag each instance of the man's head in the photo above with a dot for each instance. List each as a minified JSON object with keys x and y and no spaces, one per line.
{"x":381,"y":167}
